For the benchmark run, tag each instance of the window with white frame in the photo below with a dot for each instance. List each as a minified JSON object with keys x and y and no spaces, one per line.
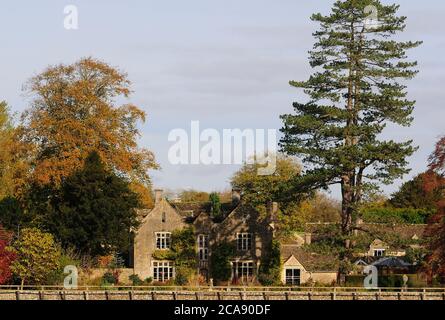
{"x":293,"y":276}
{"x":243,"y":270}
{"x":203,"y":247}
{"x":163,"y":271}
{"x":379,"y":252}
{"x":244,"y":241}
{"x":163,"y":240}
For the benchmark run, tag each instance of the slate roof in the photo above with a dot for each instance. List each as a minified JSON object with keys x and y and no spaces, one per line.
{"x":193,"y":209}
{"x":310,"y":261}
{"x":391,"y":262}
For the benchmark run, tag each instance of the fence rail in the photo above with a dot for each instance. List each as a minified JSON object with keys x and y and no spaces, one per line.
{"x":213,"y":295}
{"x":222,"y":288}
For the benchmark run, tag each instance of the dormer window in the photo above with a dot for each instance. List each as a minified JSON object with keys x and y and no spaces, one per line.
{"x":379,"y":252}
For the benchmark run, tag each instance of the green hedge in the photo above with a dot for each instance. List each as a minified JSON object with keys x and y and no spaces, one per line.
{"x":389,"y":281}
{"x":396,"y":215}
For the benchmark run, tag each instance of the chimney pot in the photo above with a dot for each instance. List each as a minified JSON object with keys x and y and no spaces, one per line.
{"x":158,"y":195}
{"x":272,"y":209}
{"x":307,"y":238}
{"x":236,"y":196}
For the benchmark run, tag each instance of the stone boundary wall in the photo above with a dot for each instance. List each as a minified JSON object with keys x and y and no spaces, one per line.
{"x":213,"y":295}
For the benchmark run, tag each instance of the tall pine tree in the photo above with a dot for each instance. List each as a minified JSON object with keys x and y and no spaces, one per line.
{"x":357,"y":88}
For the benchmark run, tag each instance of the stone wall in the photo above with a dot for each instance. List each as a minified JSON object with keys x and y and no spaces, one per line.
{"x":145,"y":241}
{"x":215,"y":295}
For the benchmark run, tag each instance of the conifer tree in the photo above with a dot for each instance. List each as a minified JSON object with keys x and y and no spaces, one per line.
{"x":358,"y":87}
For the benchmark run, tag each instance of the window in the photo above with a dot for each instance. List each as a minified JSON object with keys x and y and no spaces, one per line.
{"x":244,"y":241}
{"x":162,"y":271}
{"x":293,"y":277}
{"x":163,"y":240}
{"x":164,"y":218}
{"x":379,"y":252}
{"x":203,"y":247}
{"x":242,"y":270}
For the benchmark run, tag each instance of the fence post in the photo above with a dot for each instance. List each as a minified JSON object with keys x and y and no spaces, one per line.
{"x":17,"y":295}
{"x":265,"y":295}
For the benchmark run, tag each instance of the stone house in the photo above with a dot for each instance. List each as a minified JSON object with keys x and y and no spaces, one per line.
{"x":241,"y":226}
{"x":301,"y":266}
{"x":251,"y":234}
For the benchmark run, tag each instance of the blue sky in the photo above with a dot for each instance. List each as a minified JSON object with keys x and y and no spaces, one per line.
{"x":224,"y":63}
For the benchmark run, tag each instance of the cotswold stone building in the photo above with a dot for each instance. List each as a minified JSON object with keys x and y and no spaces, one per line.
{"x":251,"y":234}
{"x":240,"y":226}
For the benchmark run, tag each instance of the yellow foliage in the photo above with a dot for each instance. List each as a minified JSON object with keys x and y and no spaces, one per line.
{"x":73,"y":113}
{"x":37,"y":256}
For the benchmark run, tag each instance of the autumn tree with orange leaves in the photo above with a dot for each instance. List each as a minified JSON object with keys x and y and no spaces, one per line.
{"x":74,"y":111}
{"x":436,"y":227}
{"x":14,"y":168}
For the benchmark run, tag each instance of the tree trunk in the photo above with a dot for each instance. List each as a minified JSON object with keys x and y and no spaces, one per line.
{"x":347,"y":206}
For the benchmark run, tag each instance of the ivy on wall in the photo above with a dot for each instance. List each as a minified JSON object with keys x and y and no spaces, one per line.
{"x":270,"y":268}
{"x":220,"y":261}
{"x":183,"y":253}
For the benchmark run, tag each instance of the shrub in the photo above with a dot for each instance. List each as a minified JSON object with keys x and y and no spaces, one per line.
{"x":135,"y":280}
{"x":109,"y":278}
{"x":7,"y":257}
{"x":67,"y":257}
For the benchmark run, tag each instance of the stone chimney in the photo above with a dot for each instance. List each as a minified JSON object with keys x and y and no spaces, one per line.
{"x":158,"y":195}
{"x":272,"y":210}
{"x":307,"y":238}
{"x":236,"y":196}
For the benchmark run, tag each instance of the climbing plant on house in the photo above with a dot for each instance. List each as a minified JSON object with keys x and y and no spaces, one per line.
{"x":220,"y":261}
{"x":215,"y":205}
{"x":183,"y":253}
{"x":270,"y":267}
